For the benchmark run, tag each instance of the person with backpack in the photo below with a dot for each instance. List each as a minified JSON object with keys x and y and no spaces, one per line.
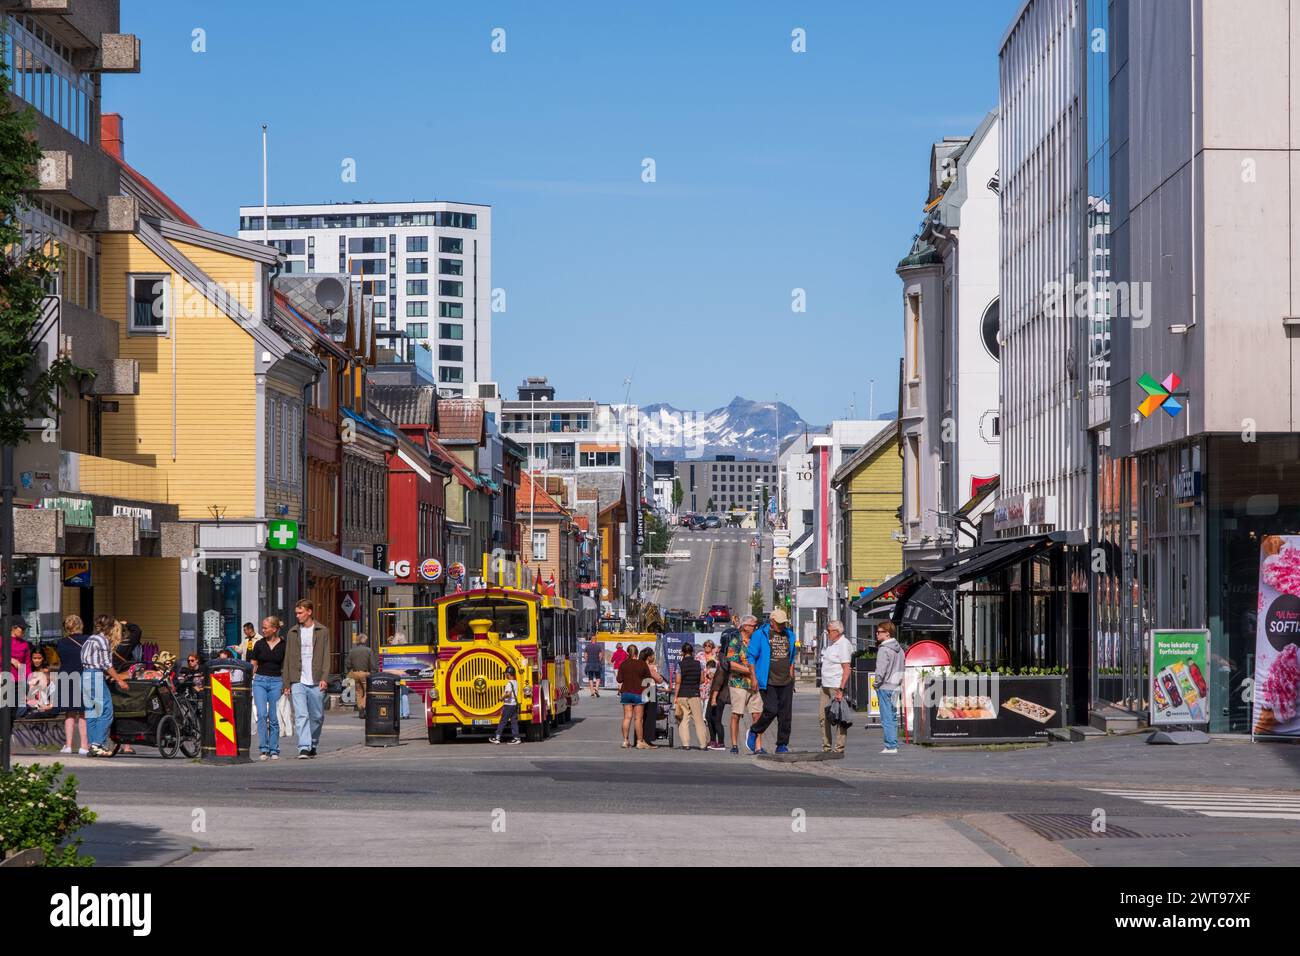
{"x":509,"y":708}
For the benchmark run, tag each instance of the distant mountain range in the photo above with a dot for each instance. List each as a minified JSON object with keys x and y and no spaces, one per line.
{"x":742,"y":428}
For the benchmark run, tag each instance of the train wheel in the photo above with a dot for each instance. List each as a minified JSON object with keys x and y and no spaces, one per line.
{"x":441,"y":735}
{"x":533,"y":732}
{"x":169,"y":737}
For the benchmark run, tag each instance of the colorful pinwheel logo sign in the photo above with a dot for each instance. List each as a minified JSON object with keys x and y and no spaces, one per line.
{"x":1160,"y":395}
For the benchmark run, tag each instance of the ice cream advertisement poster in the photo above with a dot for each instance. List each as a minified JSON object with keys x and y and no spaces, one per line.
{"x":1180,"y":690}
{"x":1277,"y":638}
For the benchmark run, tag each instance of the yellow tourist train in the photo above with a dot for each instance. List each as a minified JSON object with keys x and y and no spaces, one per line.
{"x":454,"y":654}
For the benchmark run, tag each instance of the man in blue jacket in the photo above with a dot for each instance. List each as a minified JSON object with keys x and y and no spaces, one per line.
{"x":771,"y":650}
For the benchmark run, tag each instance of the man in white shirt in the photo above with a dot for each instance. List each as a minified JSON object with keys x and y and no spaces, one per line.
{"x":306,"y":653}
{"x":836,"y":658}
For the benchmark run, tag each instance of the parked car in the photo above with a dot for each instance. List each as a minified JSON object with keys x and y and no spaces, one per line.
{"x":713,"y":521}
{"x":719,"y":613}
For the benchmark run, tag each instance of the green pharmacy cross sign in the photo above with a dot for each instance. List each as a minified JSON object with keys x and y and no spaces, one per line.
{"x":282,"y":535}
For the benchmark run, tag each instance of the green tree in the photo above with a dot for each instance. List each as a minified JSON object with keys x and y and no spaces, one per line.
{"x":678,"y":494}
{"x":657,"y":537}
{"x":26,"y":272}
{"x":28,"y":391}
{"x":709,"y":505}
{"x":756,"y":603}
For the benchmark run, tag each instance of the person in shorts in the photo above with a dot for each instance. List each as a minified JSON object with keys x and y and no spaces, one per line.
{"x":633,"y":676}
{"x":743,"y":691}
{"x":595,"y":664}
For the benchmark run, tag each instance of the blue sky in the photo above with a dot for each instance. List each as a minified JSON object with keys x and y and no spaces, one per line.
{"x":774,"y":170}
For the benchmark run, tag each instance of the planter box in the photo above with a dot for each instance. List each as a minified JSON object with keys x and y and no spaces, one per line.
{"x":989,"y":708}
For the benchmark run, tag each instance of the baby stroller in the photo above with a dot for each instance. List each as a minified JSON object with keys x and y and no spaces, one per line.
{"x":151,"y":713}
{"x":659,"y":716}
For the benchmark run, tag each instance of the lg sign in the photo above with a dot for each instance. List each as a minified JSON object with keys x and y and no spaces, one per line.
{"x":430,"y":569}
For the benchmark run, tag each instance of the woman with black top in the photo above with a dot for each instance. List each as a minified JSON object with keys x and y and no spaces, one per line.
{"x":67,"y":687}
{"x":267,"y":656}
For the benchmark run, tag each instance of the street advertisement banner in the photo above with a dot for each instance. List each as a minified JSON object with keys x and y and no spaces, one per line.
{"x":988,"y":708}
{"x":1277,"y":639}
{"x":1180,"y":693}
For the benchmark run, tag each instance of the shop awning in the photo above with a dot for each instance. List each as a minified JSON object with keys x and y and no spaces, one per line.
{"x":882,"y":589}
{"x":925,"y":607}
{"x":801,"y":545}
{"x":881,"y":612}
{"x":346,"y":567}
{"x":988,"y":559}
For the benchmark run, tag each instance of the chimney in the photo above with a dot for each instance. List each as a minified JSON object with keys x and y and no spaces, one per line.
{"x":110,"y":135}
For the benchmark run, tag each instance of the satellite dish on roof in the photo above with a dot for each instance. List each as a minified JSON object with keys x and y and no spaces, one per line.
{"x":329,"y":293}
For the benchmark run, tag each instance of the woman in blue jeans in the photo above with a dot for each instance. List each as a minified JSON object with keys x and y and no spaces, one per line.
{"x":267,"y":656}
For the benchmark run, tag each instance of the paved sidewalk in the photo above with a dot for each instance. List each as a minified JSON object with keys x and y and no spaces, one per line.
{"x":270,"y":836}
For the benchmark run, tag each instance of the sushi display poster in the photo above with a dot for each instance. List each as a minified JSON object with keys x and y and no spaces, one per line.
{"x":1180,"y":690}
{"x":1277,"y":636}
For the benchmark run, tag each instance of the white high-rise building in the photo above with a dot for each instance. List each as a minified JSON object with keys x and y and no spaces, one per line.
{"x":427,"y":264}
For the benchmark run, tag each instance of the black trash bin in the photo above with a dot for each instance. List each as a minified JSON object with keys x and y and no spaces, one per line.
{"x":227,"y":714}
{"x":383,"y":710}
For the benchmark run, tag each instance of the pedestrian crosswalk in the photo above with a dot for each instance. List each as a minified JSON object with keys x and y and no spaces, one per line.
{"x":1217,"y":803}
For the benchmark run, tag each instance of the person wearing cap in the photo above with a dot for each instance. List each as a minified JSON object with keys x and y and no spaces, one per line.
{"x":774,"y":671}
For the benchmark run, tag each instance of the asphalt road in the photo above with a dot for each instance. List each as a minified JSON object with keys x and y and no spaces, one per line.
{"x":580,"y":797}
{"x":720,"y":570}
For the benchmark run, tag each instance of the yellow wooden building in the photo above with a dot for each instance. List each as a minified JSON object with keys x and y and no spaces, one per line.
{"x":217,"y":419}
{"x":868,"y":493}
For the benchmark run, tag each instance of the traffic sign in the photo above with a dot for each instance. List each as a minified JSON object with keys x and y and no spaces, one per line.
{"x":780,"y":552}
{"x":281,"y":534}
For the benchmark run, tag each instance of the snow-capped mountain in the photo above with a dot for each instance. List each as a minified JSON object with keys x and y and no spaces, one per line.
{"x":743,"y":428}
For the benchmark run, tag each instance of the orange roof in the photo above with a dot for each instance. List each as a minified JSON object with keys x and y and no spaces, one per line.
{"x":543,"y":501}
{"x":460,"y":419}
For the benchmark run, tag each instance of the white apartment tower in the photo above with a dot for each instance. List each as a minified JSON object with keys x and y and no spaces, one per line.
{"x":1045,"y":477}
{"x":427,"y":264}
